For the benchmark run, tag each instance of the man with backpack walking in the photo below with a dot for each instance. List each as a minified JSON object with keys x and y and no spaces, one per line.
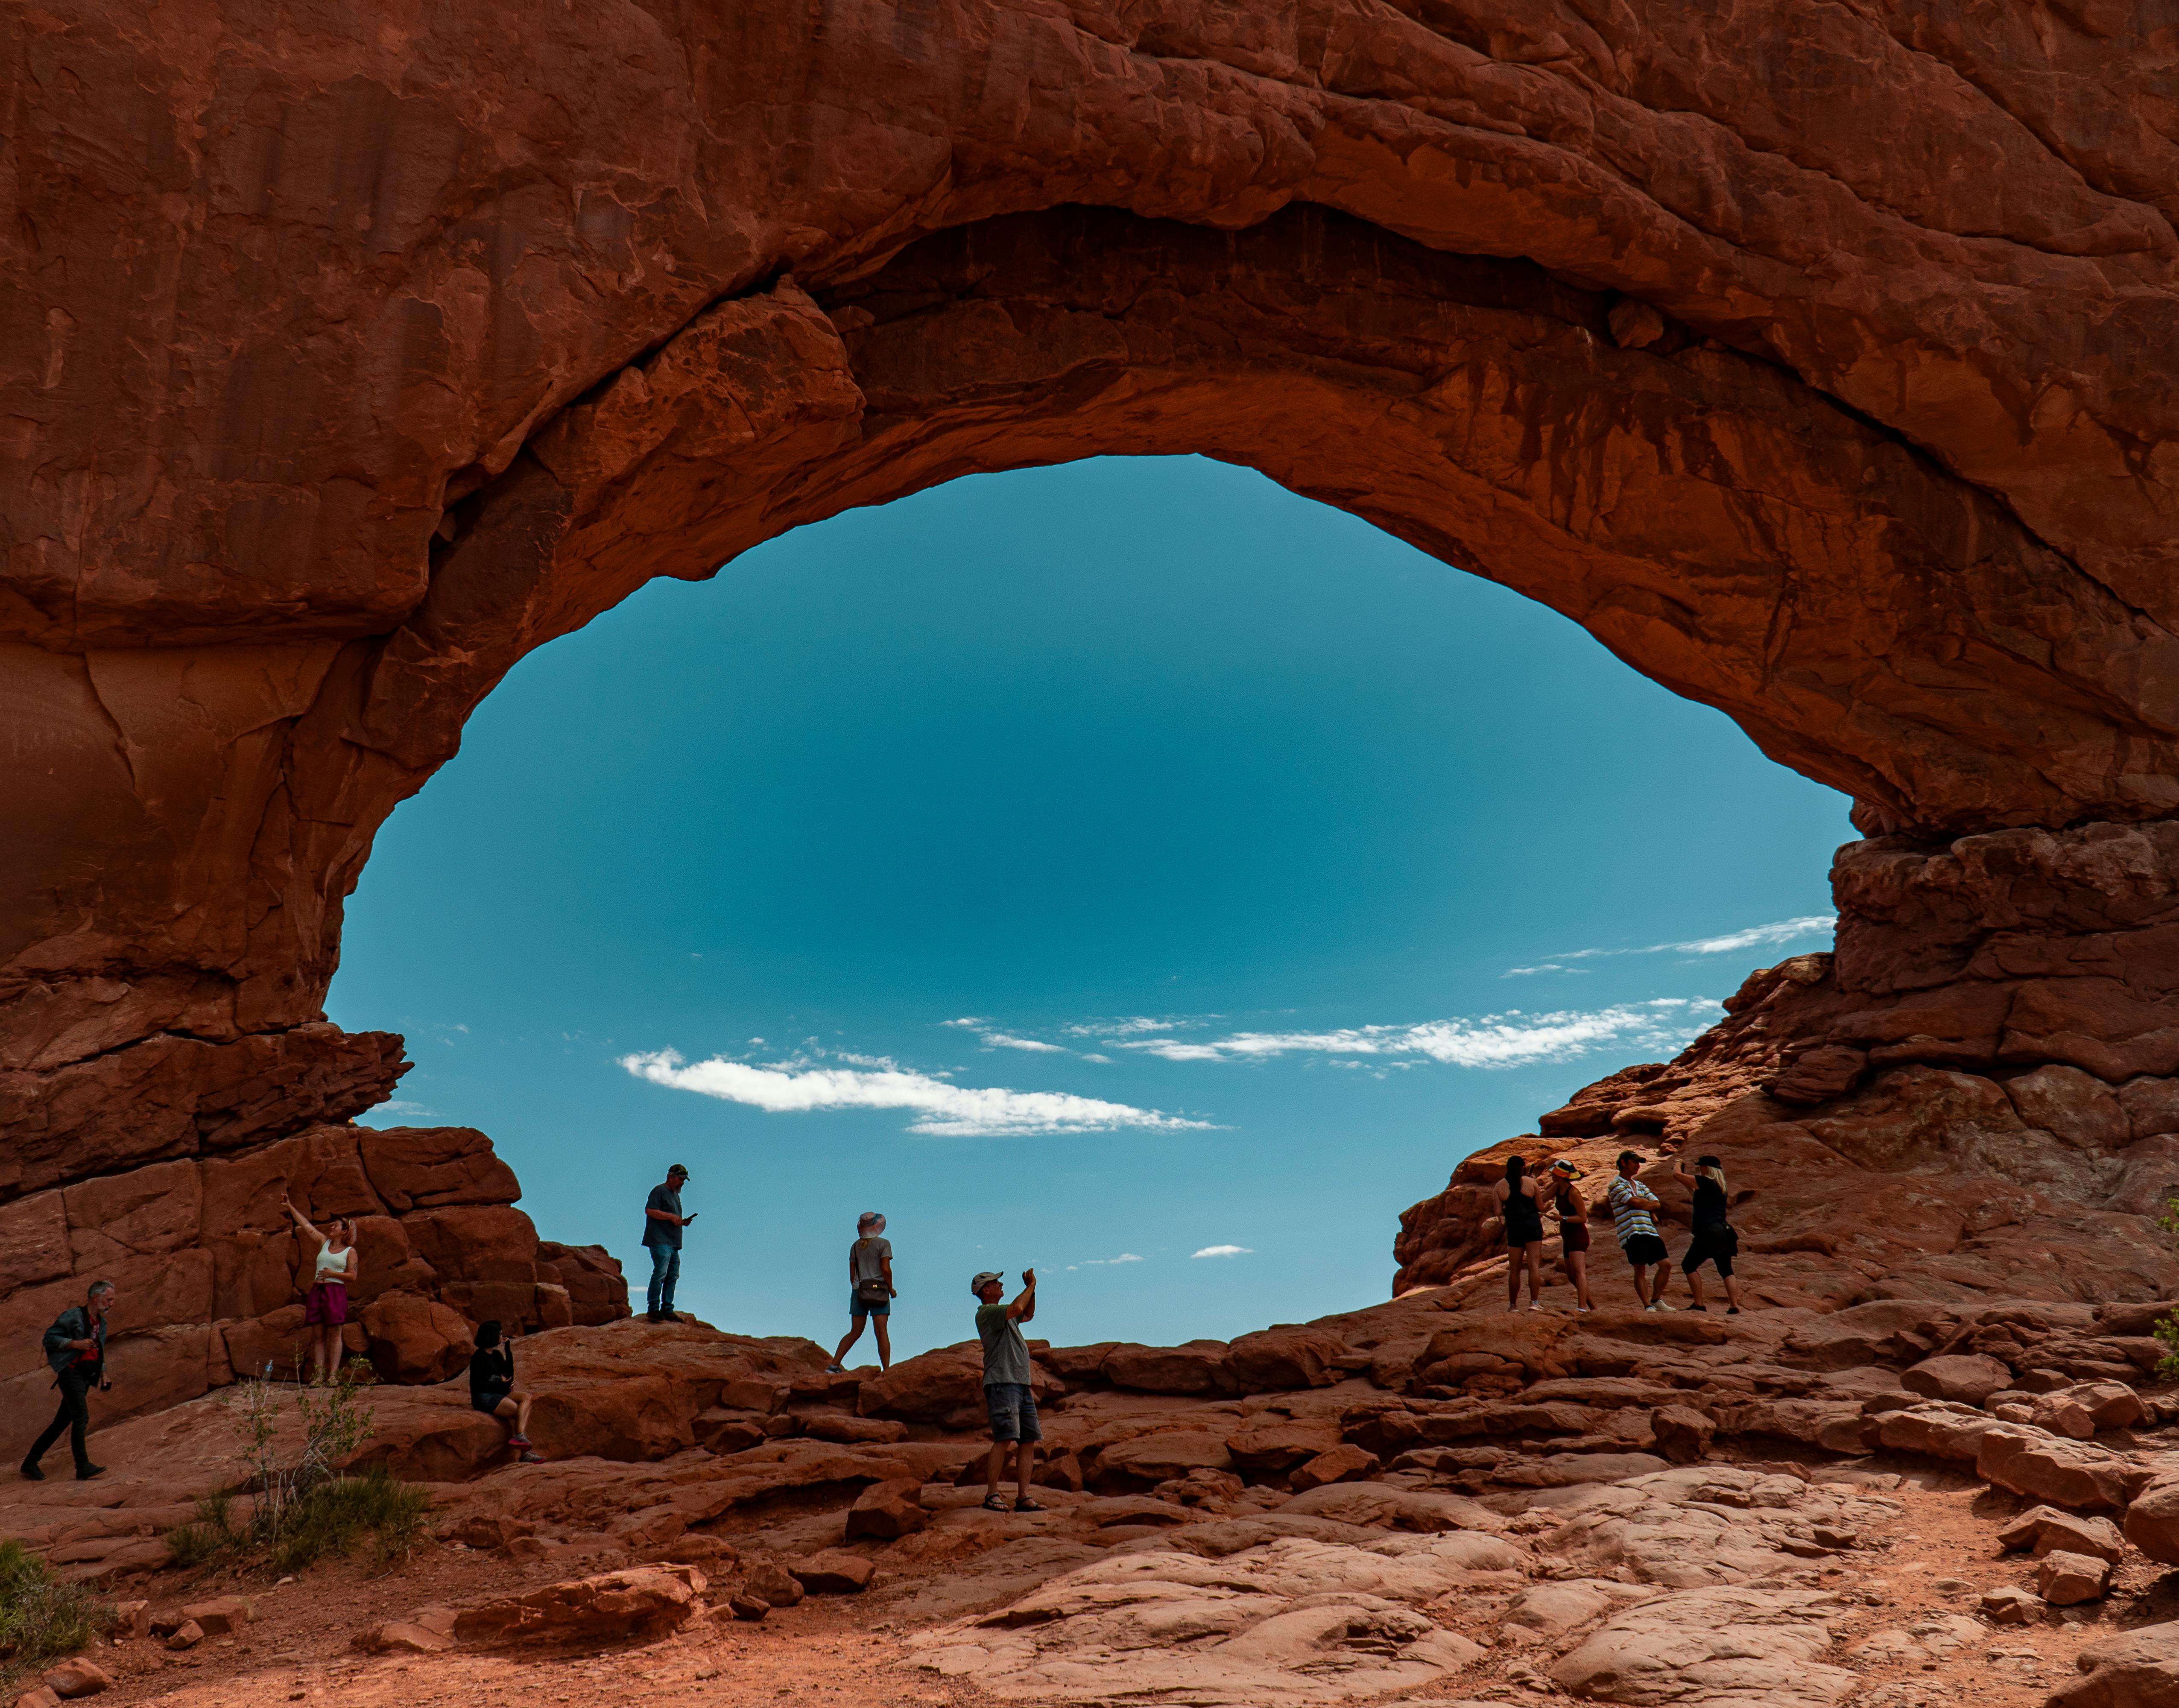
{"x":75,"y":1348}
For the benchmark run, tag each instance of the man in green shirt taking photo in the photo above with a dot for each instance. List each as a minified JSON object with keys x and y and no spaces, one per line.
{"x":1007,"y":1395}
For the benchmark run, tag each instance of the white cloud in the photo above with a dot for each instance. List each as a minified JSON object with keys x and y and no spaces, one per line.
{"x":399,"y":1108}
{"x":1508,"y":1040}
{"x":1134,"y":1025}
{"x":1099,"y":1262}
{"x":1777,"y":931}
{"x":1005,"y":1041}
{"x":946,"y":1111}
{"x":1224,"y":1252}
{"x":1754,"y":937}
{"x":1103,"y":1061}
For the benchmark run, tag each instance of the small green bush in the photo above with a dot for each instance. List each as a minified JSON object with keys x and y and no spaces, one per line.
{"x":208,"y":1537}
{"x":333,"y":1516}
{"x":42,"y":1618}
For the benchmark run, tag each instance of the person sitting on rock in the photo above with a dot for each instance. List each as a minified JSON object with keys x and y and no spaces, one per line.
{"x":325,"y":1305}
{"x":1632,"y":1203}
{"x":662,"y":1222}
{"x":491,"y":1389}
{"x":870,"y":1291}
{"x":1572,"y":1211}
{"x":1524,"y":1233}
{"x":1714,"y":1241}
{"x":1008,"y":1397}
{"x":75,"y":1349}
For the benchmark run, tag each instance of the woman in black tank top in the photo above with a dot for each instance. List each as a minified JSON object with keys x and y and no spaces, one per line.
{"x":1714,"y":1241}
{"x":1524,"y":1233}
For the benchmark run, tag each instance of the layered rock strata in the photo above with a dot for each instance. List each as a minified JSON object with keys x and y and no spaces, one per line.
{"x":1798,"y":358}
{"x":210,"y":1273}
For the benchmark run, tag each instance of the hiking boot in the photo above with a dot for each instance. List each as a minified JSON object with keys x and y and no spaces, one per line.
{"x":83,"y":1473}
{"x":32,"y":1472}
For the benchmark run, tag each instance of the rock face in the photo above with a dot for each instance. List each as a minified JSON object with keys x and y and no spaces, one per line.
{"x":1837,"y":366}
{"x":1976,"y":1092}
{"x":210,"y":1270}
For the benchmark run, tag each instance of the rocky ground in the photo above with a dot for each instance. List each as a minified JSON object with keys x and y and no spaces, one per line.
{"x":1430,"y":1499}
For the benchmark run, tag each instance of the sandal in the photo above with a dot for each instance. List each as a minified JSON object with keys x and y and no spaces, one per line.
{"x":993,"y":1504}
{"x":1027,"y":1505}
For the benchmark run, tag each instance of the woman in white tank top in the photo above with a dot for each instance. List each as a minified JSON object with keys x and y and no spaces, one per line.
{"x":325,"y":1306}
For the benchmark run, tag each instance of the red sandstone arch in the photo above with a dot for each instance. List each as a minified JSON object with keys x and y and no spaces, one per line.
{"x":1812,"y":358}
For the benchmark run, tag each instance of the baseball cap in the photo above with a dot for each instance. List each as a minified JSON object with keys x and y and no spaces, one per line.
{"x":985,"y":1280}
{"x":679,"y":1169}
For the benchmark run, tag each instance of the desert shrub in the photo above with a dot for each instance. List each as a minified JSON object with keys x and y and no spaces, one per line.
{"x":41,"y":1617}
{"x":303,"y":1507}
{"x":337,"y":1514}
{"x":209,"y":1536}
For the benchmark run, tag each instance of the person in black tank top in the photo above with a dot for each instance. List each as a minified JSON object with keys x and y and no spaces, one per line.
{"x":1524,"y":1232}
{"x":1571,"y":1210}
{"x":1713,"y":1241}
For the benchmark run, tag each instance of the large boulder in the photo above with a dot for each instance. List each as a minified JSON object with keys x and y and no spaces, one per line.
{"x":2137,"y":1670}
{"x":597,"y":1290}
{"x":425,"y":1167}
{"x":1150,"y":1459}
{"x":1965,"y":1379}
{"x":644,"y":1601}
{"x":409,"y":1339}
{"x":2045,"y":1529}
{"x":2152,"y":1520}
{"x":1201,"y":1366}
{"x":945,"y":1386}
{"x":1278,"y":1359}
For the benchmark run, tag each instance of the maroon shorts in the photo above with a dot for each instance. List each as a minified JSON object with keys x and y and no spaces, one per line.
{"x":1574,"y":1236}
{"x":326,"y":1305}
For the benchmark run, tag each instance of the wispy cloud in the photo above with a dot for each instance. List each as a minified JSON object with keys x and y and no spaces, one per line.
{"x":1730,"y":942}
{"x":1224,"y":1252}
{"x":1134,"y":1026}
{"x":1105,"y":1262}
{"x":1005,"y":1041}
{"x":1508,"y":1040}
{"x":399,"y":1108}
{"x":801,"y":1087}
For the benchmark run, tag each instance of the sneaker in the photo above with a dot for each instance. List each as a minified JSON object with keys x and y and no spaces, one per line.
{"x":522,"y":1441}
{"x":1733,"y":1310}
{"x":1661,"y":1305}
{"x":32,"y":1472}
{"x":834,"y":1370}
{"x":1702,"y":1308}
{"x":86,"y":1473}
{"x":530,"y":1458}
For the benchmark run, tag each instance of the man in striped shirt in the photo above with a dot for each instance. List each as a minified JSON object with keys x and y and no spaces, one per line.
{"x":1632,"y":1203}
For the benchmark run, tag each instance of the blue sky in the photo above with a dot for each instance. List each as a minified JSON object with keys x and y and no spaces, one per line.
{"x":1095,"y":867}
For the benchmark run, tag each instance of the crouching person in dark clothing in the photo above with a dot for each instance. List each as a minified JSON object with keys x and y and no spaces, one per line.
{"x":491,"y":1390}
{"x":75,"y":1348}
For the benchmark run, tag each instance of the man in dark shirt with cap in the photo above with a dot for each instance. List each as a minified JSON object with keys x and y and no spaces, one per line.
{"x":662,"y":1222}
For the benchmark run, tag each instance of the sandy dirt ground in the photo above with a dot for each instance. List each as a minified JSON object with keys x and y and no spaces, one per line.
{"x":1922,"y":1575}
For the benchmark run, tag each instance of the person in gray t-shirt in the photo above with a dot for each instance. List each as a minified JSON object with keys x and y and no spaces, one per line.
{"x":1008,"y":1396}
{"x":870,"y":1291}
